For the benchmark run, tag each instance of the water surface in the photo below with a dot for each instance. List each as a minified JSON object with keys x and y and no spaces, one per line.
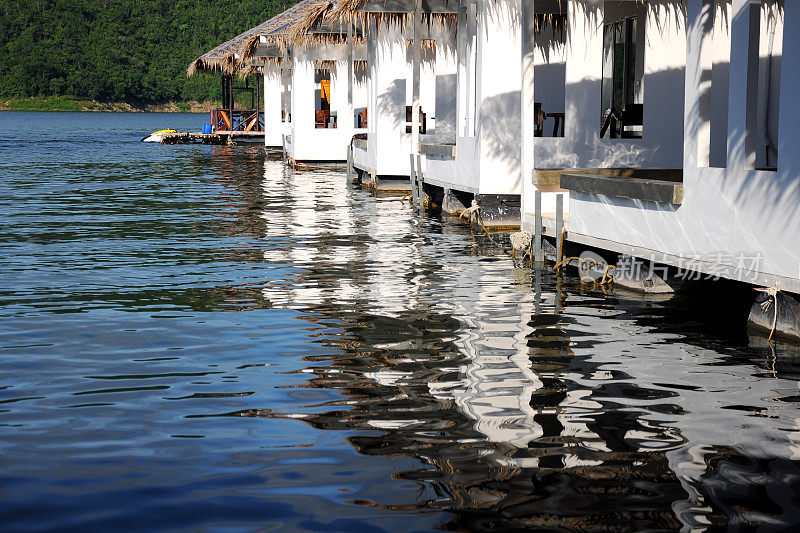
{"x":196,"y":337}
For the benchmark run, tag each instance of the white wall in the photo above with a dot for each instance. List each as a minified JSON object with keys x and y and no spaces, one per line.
{"x":307,"y":142}
{"x":273,"y":125}
{"x":488,"y":148}
{"x":389,"y":145}
{"x":498,"y":91}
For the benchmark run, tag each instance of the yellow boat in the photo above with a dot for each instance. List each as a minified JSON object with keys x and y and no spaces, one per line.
{"x":156,"y":136}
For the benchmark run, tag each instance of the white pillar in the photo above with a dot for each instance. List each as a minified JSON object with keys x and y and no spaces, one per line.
{"x":788,"y":126}
{"x":526,"y":103}
{"x":273,"y":128}
{"x":417,"y":36}
{"x":499,"y":86}
{"x":742,"y":108}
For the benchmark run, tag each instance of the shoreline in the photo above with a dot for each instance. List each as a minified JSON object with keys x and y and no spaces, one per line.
{"x":67,"y":104}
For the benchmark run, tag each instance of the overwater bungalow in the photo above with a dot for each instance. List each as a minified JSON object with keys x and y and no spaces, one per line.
{"x":369,"y":42}
{"x":467,"y":77}
{"x":587,"y":75}
{"x":316,"y":68}
{"x":677,"y":145}
{"x":480,"y":162}
{"x":380,"y":156}
{"x":652,"y":129}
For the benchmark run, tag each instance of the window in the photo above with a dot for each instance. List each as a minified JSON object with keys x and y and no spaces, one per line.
{"x":550,"y":68}
{"x":323,"y":118}
{"x":622,"y":80}
{"x":359,"y":89}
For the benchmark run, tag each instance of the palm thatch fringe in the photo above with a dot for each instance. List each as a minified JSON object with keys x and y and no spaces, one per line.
{"x":348,"y":10}
{"x":324,"y":64}
{"x":287,"y":28}
{"x":228,"y":57}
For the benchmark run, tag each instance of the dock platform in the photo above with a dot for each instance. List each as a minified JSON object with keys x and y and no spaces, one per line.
{"x":218,"y":137}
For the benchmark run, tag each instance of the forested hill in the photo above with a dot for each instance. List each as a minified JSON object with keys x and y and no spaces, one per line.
{"x":118,"y":50}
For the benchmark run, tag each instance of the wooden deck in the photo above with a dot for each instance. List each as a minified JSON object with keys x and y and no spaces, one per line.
{"x":219,"y":137}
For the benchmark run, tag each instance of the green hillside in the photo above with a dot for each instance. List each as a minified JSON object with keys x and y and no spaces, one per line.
{"x":118,"y":50}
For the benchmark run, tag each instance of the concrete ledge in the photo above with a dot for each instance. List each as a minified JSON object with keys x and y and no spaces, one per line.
{"x":551,"y":177}
{"x":360,"y":143}
{"x":649,"y":190}
{"x":547,"y":178}
{"x":438,"y":149}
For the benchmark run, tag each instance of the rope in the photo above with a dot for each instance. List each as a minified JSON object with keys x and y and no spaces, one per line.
{"x":773,"y":292}
{"x":567,"y":260}
{"x":474,"y":213}
{"x":470,"y":211}
{"x":298,"y":165}
{"x":608,"y":279}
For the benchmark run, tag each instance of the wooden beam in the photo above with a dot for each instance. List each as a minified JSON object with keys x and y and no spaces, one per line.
{"x":409,"y":6}
{"x":416,"y":65}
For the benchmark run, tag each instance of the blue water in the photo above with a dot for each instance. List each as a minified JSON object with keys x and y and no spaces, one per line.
{"x":195,"y":337}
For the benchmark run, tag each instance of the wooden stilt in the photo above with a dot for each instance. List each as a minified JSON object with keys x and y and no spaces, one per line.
{"x":537,"y":244}
{"x":415,"y":91}
{"x":537,"y":291}
{"x":349,"y":163}
{"x":420,"y":181}
{"x":559,"y":226}
{"x":413,"y":178}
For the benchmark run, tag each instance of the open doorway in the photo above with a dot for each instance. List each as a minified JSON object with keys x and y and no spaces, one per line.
{"x":323,"y":117}
{"x":622,"y":93}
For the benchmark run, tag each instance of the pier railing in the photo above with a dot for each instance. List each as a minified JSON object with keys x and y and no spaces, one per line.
{"x":245,"y":120}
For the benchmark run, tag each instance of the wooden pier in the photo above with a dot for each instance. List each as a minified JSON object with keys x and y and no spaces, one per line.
{"x":219,"y":137}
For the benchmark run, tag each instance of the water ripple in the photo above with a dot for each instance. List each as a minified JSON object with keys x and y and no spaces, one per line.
{"x":271,"y":349}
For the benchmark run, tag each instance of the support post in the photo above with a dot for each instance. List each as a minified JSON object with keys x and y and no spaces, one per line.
{"x":350,"y":162}
{"x":537,"y":291}
{"x":258,"y":101}
{"x":417,"y":60}
{"x":420,"y":182}
{"x":537,"y":243}
{"x":559,"y":226}
{"x":350,"y":106}
{"x":413,"y":178}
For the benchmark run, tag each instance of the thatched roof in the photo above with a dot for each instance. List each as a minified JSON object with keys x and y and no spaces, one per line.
{"x":228,"y":57}
{"x":302,"y":24}
{"x":443,"y":12}
{"x":326,"y":21}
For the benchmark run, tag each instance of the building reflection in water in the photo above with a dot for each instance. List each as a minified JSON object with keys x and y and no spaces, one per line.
{"x":527,"y":401}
